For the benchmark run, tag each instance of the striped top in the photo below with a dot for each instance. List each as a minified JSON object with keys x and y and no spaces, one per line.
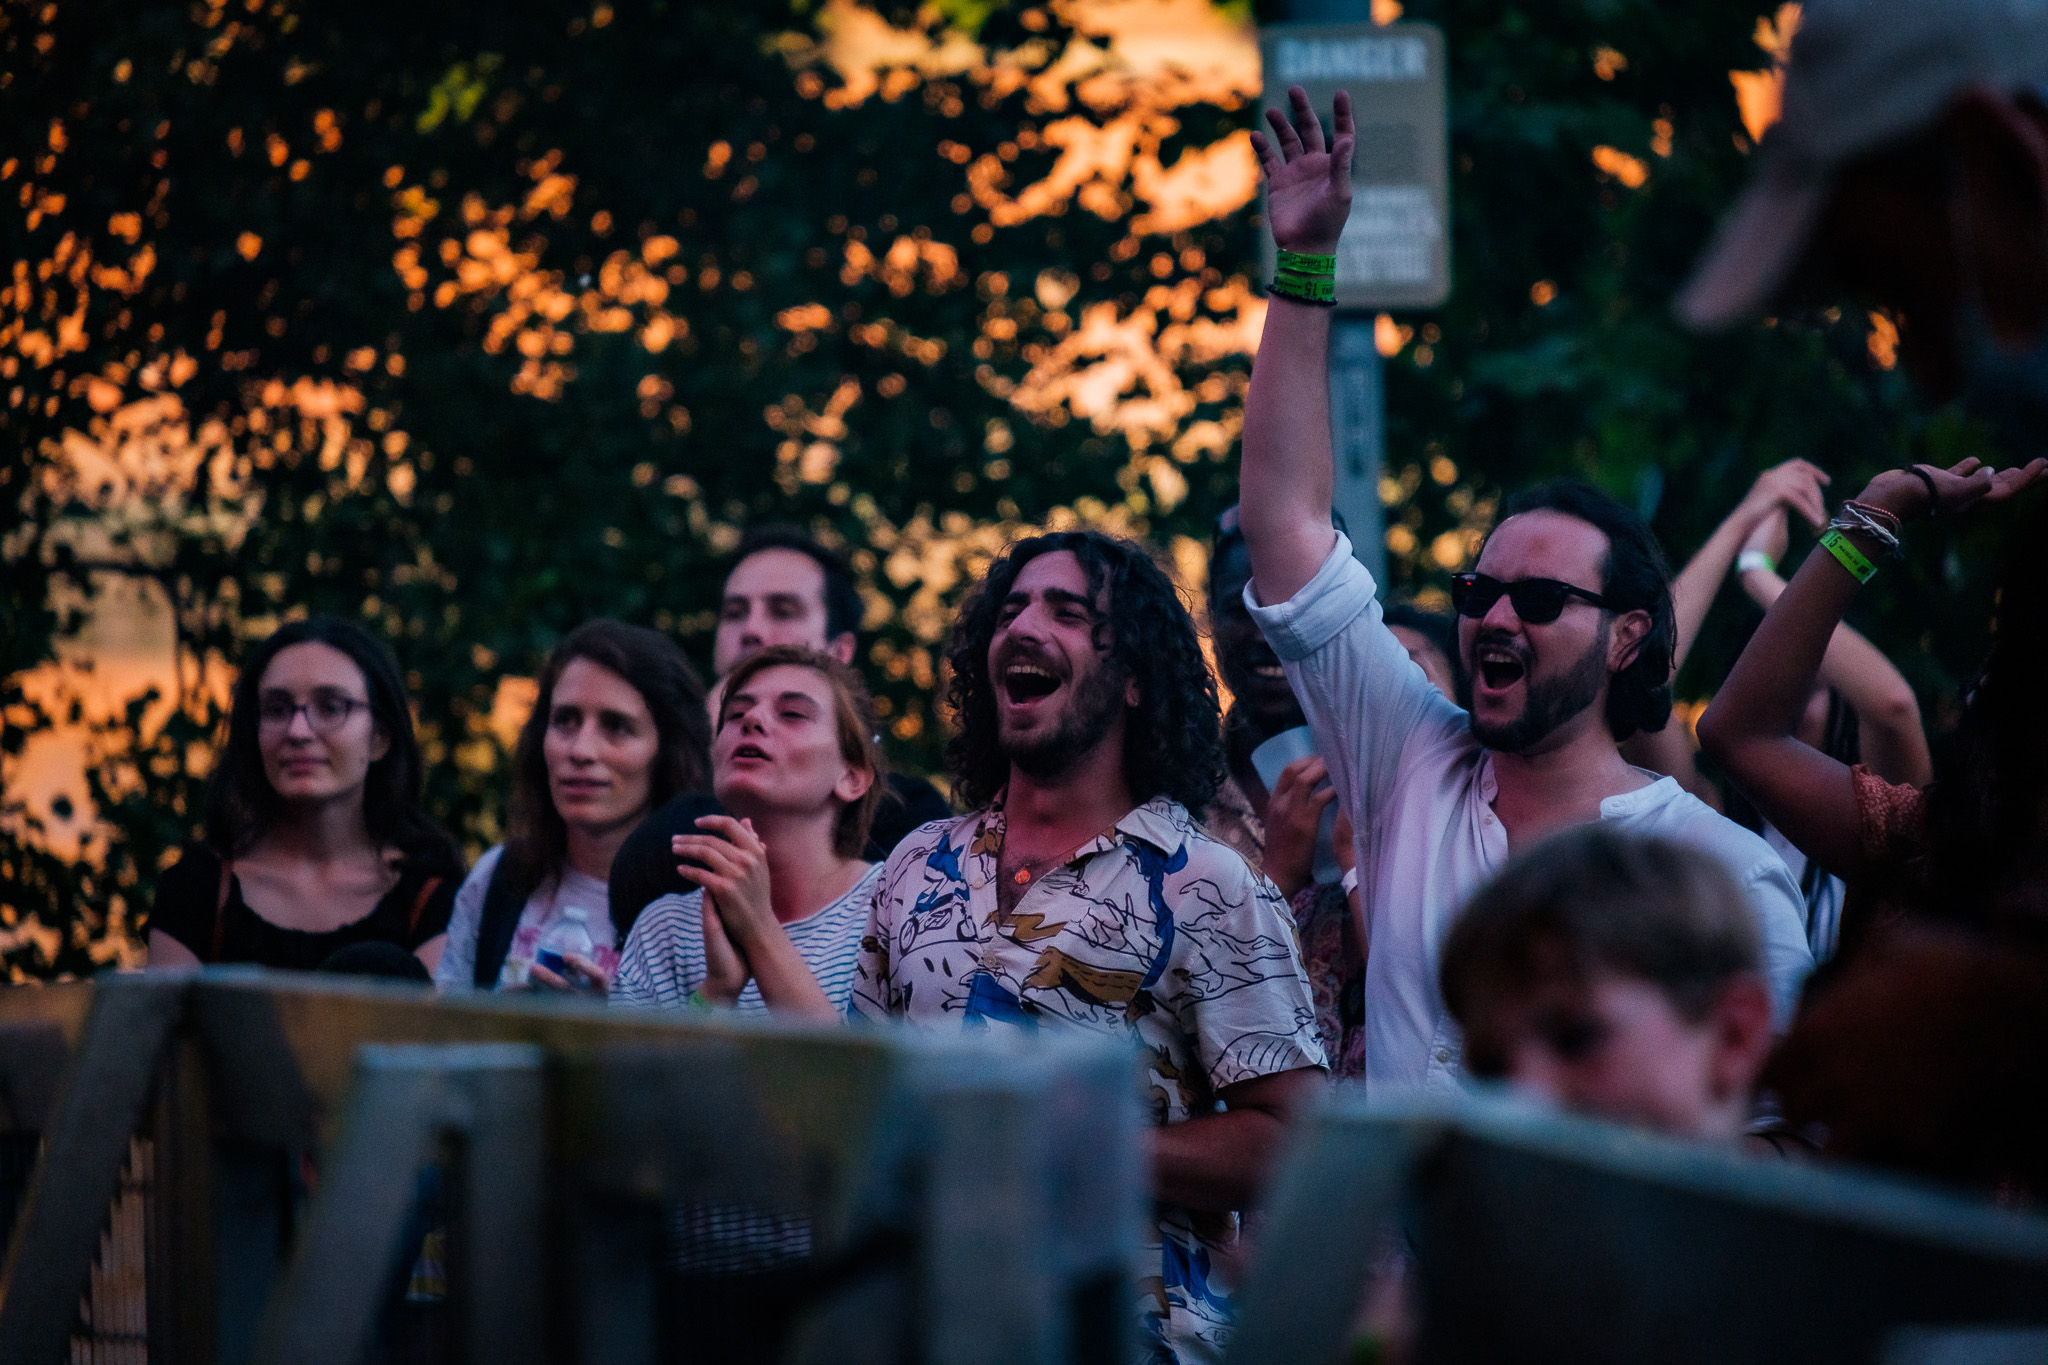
{"x":663,"y":960}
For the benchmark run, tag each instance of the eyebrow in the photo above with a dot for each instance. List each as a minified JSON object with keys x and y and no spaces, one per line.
{"x":776,"y":598}
{"x":750,"y":699}
{"x":1053,"y":597}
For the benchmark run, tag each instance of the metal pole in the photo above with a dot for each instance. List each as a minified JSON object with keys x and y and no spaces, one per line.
{"x":1358,"y":435}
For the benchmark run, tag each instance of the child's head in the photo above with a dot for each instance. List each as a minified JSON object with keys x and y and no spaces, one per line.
{"x":1617,"y":976}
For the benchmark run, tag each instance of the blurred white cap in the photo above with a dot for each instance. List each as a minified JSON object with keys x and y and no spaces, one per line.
{"x":1862,"y":73}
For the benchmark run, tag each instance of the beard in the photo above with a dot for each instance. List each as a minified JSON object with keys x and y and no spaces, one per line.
{"x":1098,"y":699}
{"x":1549,"y":703}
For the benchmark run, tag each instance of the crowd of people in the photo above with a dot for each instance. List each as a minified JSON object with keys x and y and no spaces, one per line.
{"x":1414,"y":853}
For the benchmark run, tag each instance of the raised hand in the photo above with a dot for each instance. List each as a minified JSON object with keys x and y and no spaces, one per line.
{"x":1294,"y":816}
{"x":1796,"y":485}
{"x":1905,"y":493}
{"x":1308,"y":185}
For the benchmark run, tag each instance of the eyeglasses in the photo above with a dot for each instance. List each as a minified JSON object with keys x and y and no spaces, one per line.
{"x":1538,"y":601}
{"x":326,"y":712}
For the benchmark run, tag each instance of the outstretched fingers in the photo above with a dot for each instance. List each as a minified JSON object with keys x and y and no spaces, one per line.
{"x":1283,"y":131}
{"x":1341,"y":150}
{"x":2007,"y":482}
{"x":1305,"y":120}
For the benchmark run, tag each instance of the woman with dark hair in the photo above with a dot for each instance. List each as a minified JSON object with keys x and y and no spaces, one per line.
{"x":1923,"y":1046}
{"x":618,"y":727}
{"x":315,"y":840}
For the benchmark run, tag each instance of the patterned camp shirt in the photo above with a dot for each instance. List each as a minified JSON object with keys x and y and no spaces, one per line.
{"x":1154,"y":930}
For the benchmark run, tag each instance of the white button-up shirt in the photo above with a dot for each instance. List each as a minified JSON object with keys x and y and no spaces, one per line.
{"x":1420,"y":790}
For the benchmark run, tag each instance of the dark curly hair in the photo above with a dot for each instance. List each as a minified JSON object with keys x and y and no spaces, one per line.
{"x":1635,"y":577}
{"x":1177,"y":751}
{"x":240,"y":802}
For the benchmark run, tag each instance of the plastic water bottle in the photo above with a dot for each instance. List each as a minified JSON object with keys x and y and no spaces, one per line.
{"x":570,"y":933}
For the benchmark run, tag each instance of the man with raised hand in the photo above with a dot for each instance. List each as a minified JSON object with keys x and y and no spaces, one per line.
{"x":1080,"y":893}
{"x":1565,"y":630}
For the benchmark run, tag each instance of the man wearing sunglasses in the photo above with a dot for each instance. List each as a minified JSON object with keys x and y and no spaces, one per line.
{"x":1565,"y":631}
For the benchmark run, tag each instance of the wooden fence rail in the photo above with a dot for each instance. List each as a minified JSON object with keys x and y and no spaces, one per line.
{"x":960,"y":1199}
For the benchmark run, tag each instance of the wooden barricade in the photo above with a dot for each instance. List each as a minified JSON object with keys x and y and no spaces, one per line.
{"x":1537,"y":1237}
{"x":961,"y":1199}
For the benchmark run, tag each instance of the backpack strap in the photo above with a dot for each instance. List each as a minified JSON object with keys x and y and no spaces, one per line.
{"x":220,"y":909}
{"x":419,"y":905}
{"x":504,"y":899}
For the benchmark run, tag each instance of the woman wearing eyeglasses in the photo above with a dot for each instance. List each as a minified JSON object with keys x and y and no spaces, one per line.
{"x":315,"y":841}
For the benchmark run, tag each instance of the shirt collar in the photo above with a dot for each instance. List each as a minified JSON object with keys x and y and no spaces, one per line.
{"x":1161,"y":822}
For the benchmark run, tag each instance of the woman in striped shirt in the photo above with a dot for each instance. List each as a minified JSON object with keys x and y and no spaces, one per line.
{"x":784,"y":898}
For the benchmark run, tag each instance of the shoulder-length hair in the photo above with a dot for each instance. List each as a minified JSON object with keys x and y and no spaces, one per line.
{"x":1178,"y":749}
{"x":853,"y":712}
{"x":536,"y":838}
{"x":240,"y":802}
{"x":1635,"y":578}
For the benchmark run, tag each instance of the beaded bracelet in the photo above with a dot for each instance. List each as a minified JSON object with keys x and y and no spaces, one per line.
{"x":1848,"y":556}
{"x":1306,"y":278}
{"x":1856,"y":518}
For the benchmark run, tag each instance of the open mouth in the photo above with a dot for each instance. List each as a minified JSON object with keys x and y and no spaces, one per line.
{"x":1499,"y":668}
{"x":1269,"y":672}
{"x":1024,"y":683}
{"x":750,"y":751}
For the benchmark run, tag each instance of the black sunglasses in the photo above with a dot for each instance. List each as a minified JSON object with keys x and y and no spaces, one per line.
{"x":1538,"y":601}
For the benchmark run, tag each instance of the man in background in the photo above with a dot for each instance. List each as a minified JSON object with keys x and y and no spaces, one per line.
{"x":781,"y":588}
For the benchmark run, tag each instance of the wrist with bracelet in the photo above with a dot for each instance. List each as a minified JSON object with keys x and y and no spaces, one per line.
{"x":1755,"y":559}
{"x":1873,"y":523}
{"x":1305,"y":278}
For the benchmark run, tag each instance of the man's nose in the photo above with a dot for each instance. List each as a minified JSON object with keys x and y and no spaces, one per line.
{"x":1501,"y":615}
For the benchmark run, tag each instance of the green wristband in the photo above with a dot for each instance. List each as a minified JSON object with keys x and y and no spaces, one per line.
{"x":1307,"y":263}
{"x":1845,"y":552}
{"x":1320,"y":290}
{"x":698,"y":1001}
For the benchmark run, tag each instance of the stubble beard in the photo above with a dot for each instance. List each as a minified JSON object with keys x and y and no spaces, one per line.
{"x":1097,"y":702}
{"x":1549,"y":704}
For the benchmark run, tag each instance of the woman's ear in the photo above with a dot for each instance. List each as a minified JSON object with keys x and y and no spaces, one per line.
{"x":380,"y":743}
{"x":853,"y":784}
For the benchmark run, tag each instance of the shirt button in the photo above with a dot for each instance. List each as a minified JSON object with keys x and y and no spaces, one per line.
{"x":1443,"y":1054}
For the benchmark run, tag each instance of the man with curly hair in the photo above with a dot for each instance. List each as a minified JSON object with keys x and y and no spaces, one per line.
{"x":1565,"y":631}
{"x":1080,"y":893}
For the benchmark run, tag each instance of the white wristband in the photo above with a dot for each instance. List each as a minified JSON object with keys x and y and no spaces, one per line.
{"x":1754,"y":559}
{"x":1350,"y":881}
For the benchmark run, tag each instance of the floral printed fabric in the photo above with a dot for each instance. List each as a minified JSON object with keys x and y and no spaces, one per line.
{"x":1153,"y":929}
